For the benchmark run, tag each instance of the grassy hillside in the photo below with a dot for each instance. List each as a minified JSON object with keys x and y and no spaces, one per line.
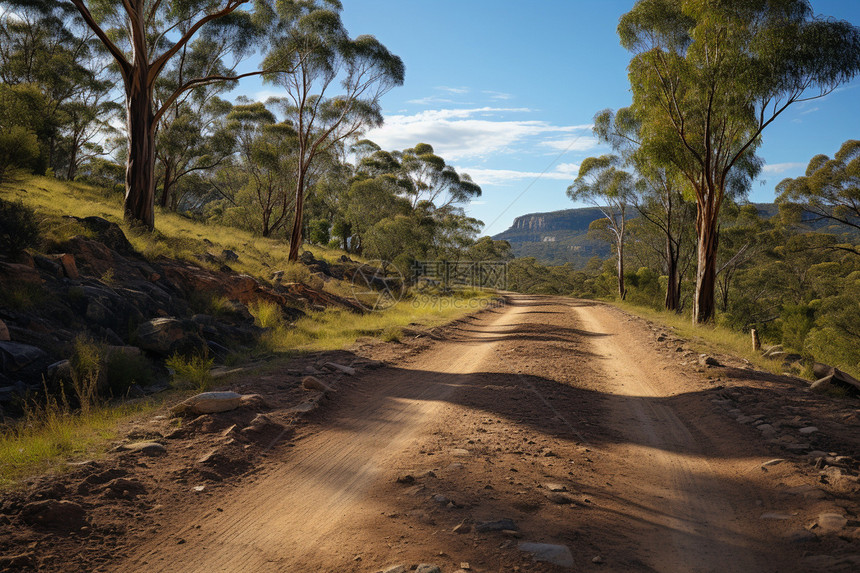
{"x":175,"y":236}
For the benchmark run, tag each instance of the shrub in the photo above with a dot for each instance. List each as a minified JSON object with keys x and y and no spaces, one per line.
{"x":124,"y":370}
{"x":266,"y":314}
{"x":319,"y":231}
{"x":191,"y":372}
{"x":19,"y":228}
{"x":19,"y":147}
{"x":86,"y":364}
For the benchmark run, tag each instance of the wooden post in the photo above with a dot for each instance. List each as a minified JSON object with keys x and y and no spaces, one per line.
{"x":755,"y":341}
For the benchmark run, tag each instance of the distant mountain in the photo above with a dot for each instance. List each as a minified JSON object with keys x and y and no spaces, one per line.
{"x":556,"y":237}
{"x":560,"y":237}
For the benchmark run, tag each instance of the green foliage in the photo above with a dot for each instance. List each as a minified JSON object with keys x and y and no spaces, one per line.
{"x":19,"y":147}
{"x":267,"y":314}
{"x":86,"y":361}
{"x":191,"y":372}
{"x":125,"y":370}
{"x":708,"y":78}
{"x":830,"y":190}
{"x":797,"y":322}
{"x":19,"y":228}
{"x":319,"y":231}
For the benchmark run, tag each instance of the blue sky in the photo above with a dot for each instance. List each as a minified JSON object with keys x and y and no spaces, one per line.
{"x":506,"y":91}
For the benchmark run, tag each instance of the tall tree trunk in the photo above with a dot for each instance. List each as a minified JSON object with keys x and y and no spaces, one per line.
{"x":673,"y":286}
{"x":622,"y":292}
{"x":139,"y":206}
{"x":296,"y":235}
{"x":168,"y":185}
{"x":706,"y":270}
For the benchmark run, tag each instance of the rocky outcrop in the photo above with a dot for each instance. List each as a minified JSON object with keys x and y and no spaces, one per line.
{"x":97,"y":286}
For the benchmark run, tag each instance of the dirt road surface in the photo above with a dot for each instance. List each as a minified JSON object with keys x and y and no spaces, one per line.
{"x":555,"y":414}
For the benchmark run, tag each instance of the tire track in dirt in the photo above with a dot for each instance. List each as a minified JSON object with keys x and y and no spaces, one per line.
{"x":287,"y":521}
{"x":691,"y":518}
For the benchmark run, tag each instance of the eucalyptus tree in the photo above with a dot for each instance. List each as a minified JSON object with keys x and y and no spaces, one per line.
{"x":194,"y":138}
{"x":660,"y":199}
{"x":430,"y":179}
{"x":46,"y":44}
{"x":333,"y":86}
{"x":603,"y":183}
{"x":144,"y":37}
{"x":266,"y":151}
{"x":709,"y":77}
{"x":830,"y":189}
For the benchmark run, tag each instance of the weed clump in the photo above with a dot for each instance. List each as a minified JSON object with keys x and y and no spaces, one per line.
{"x":19,"y":228}
{"x":191,"y":372}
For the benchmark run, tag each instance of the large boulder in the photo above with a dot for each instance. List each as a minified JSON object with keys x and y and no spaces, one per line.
{"x":167,"y":336}
{"x":832,"y":380}
{"x":15,"y":356}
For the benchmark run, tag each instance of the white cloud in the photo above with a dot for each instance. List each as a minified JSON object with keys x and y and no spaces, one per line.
{"x":778,"y":168}
{"x":497,"y":95}
{"x":480,"y":132}
{"x":453,"y":90}
{"x":431,"y":100}
{"x":810,"y":110}
{"x":562,"y":172}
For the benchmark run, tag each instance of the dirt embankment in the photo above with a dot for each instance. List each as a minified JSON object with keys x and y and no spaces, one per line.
{"x":537,"y":436}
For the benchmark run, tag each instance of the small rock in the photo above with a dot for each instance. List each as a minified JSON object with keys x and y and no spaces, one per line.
{"x":427,"y":568}
{"x":441,"y":499}
{"x":208,"y":403}
{"x":555,"y":487}
{"x":406,"y":478}
{"x":767,"y":431}
{"x":340,"y":368}
{"x":808,"y":430}
{"x":464,"y":565}
{"x":146,"y":448}
{"x":556,"y":554}
{"x":705,"y":360}
{"x":396,"y":569}
{"x":597,"y":559}
{"x":831,"y":522}
{"x":313,"y":383}
{"x":4,"y":332}
{"x":512,"y":533}
{"x":52,"y":513}
{"x":198,"y":488}
{"x":460,"y":452}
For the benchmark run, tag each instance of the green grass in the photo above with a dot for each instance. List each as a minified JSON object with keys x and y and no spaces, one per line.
{"x":175,"y":236}
{"x":705,"y":338}
{"x":334,"y":329}
{"x":46,"y":439}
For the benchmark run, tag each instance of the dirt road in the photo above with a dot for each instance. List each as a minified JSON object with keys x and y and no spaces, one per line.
{"x":555,"y":414}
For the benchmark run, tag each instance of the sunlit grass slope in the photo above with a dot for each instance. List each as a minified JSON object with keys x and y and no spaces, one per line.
{"x":176,"y":236}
